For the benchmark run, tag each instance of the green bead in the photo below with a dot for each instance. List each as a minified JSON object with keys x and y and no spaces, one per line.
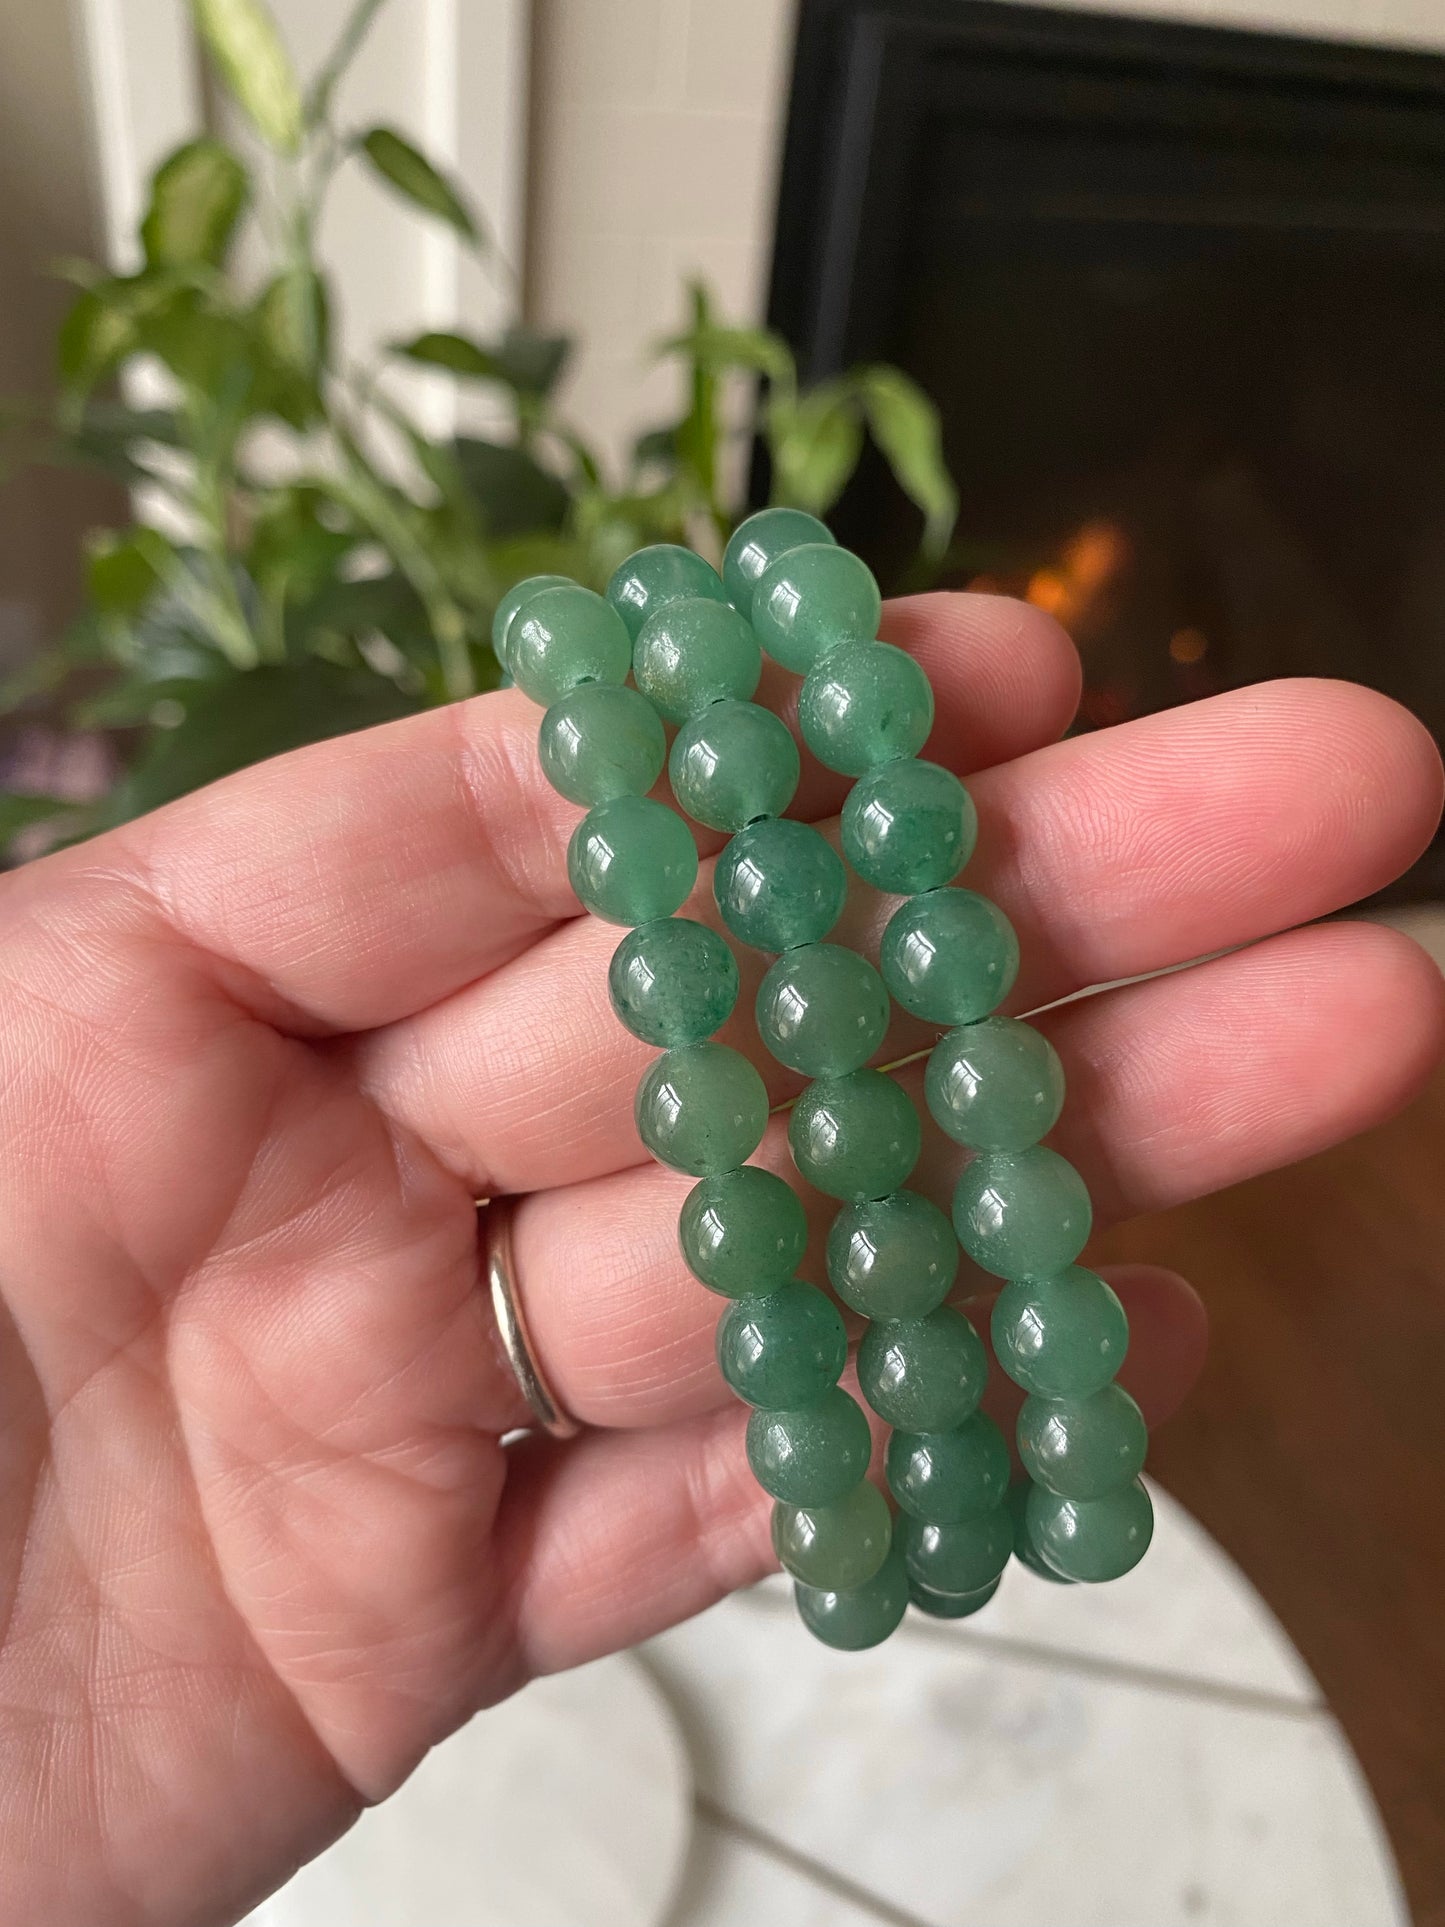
{"x":695,"y":652}
{"x":757,"y":544}
{"x":822,"y":1010}
{"x":862,"y":1616}
{"x":856,"y":1136}
{"x":923,"y":1374}
{"x":834,"y":1547}
{"x":732,"y":764}
{"x":632,"y":860}
{"x":892,"y":1257}
{"x":867,"y":703}
{"x":1091,"y":1540}
{"x":813,"y":1456}
{"x":743,"y":1232}
{"x":1060,"y":1337}
{"x":782,"y":1352}
{"x":1025,"y":1551}
{"x":1021,"y":1214}
{"x":997,"y":1085}
{"x":599,"y":741}
{"x":512,"y":601}
{"x":951,"y":1605}
{"x":564,"y":636}
{"x":949,"y":956}
{"x":948,"y":1477}
{"x":963,"y":1558}
{"x":701,"y":1108}
{"x":1082,"y":1448}
{"x":812,"y":600}
{"x":673,"y":982}
{"x":908,"y":826}
{"x":779,"y":884}
{"x":653,"y":578}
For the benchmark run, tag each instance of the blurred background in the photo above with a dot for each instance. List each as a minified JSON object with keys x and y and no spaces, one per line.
{"x":1133,"y":311}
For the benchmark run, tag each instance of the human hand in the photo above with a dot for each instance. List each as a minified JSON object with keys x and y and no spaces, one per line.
{"x":260,"y":1544}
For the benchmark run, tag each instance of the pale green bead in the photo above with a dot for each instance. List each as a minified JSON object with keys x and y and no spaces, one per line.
{"x":1061,"y":1337}
{"x":908,"y":826}
{"x":892,"y":1257}
{"x":861,"y":1617}
{"x":511,"y":602}
{"x":812,"y":600}
{"x":834,"y":1547}
{"x":864,"y":704}
{"x":732,"y":764}
{"x":997,"y":1085}
{"x":951,"y":1605}
{"x":694,"y":652}
{"x":673,"y":982}
{"x":783,"y":1351}
{"x":1082,"y":1448}
{"x":601,"y":740}
{"x":759,"y":541}
{"x":778,"y":884}
{"x":1021,"y":1214}
{"x":856,"y":1136}
{"x":923,"y":1374}
{"x":958,"y":1559}
{"x":949,"y":956}
{"x":632,"y":860}
{"x":1091,"y":1540}
{"x":950,"y":1476}
{"x":701,"y":1108}
{"x":812,"y":1456}
{"x":743,"y":1232}
{"x":565,"y":636}
{"x":654,"y":577}
{"x":822,"y":1010}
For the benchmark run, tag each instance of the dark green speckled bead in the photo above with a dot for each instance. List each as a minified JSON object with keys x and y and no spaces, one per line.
{"x":1091,"y":1540}
{"x":654,"y":577}
{"x":856,"y":1136}
{"x":963,"y":1558}
{"x":822,"y":1010}
{"x":997,"y":1085}
{"x":759,"y":541}
{"x":812,"y":1456}
{"x":701,"y":1108}
{"x":908,"y":826}
{"x":1021,"y":1214}
{"x":949,"y":956}
{"x":1082,"y":1448}
{"x":733,"y":763}
{"x":892,"y":1257}
{"x":673,"y":982}
{"x":779,"y":883}
{"x":512,"y":601}
{"x":782,"y":1352}
{"x":834,"y":1547}
{"x":811,"y":601}
{"x":864,"y":704}
{"x":951,"y":1605}
{"x":564,"y":636}
{"x":599,"y":741}
{"x":864,"y":1615}
{"x":743,"y":1232}
{"x":632,"y":860}
{"x":948,"y":1477}
{"x":1062,"y":1337}
{"x":695,"y":652}
{"x":923,"y":1374}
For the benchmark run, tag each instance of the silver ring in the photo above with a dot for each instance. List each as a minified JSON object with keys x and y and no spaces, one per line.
{"x":512,"y":1326}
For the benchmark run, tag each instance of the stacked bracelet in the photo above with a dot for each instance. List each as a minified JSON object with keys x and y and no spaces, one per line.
{"x":693,"y":642}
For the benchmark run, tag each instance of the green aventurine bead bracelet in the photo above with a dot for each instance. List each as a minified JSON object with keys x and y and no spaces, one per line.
{"x":694,"y":642}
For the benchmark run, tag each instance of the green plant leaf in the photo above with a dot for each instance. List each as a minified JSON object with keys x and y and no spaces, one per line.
{"x":412,"y":175}
{"x":292,"y":320}
{"x":905,"y":425}
{"x":124,"y":572}
{"x":815,"y":443}
{"x":529,"y":364}
{"x":756,"y":350}
{"x":98,"y":332}
{"x":198,"y":195}
{"x":111,"y":437}
{"x":656,"y":445}
{"x":318,"y":100}
{"x":514,"y":493}
{"x":18,"y":812}
{"x":458,"y":354}
{"x":249,"y":55}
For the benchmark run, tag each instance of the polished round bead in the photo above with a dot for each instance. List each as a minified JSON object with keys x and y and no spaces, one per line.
{"x":511,"y":602}
{"x":782,"y":1352}
{"x":673,"y":982}
{"x":908,"y":826}
{"x":732,"y":764}
{"x":654,"y":577}
{"x":1082,"y":1448}
{"x":866,"y":703}
{"x":632,"y":860}
{"x":834,"y":1547}
{"x":1025,"y":1551}
{"x":743,"y":1232}
{"x":961,"y":1558}
{"x":892,"y":1257}
{"x":701,"y":1108}
{"x":822,"y":1010}
{"x":1021,"y":1214}
{"x":564,"y":636}
{"x":951,"y":1605}
{"x":948,"y":1477}
{"x":1061,"y":1337}
{"x":778,"y":884}
{"x":1091,"y":1540}
{"x":812,"y":600}
{"x":856,"y":1136}
{"x":759,"y":541}
{"x":812,"y":1456}
{"x":862,"y":1616}
{"x":997,"y":1085}
{"x":923,"y":1374}
{"x":599,"y":741}
{"x":694,"y":652}
{"x":949,"y":956}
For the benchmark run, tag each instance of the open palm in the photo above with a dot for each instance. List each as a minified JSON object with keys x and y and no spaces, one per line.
{"x":260,"y":1543}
